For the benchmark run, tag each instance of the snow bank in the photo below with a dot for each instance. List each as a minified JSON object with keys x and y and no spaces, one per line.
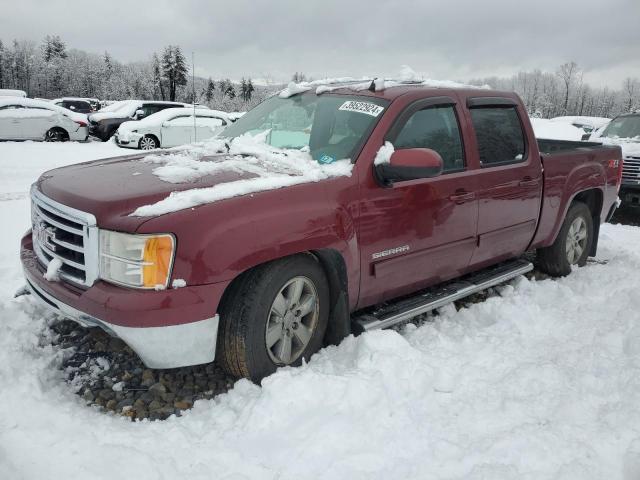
{"x":271,"y":167}
{"x":551,"y":130}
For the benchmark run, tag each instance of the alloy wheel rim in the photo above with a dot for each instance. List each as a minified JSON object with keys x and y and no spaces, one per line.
{"x":292,"y":320}
{"x":576,"y":240}
{"x":147,"y":144}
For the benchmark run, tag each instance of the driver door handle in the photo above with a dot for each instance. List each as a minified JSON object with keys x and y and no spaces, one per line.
{"x":462,"y":196}
{"x":529,"y":182}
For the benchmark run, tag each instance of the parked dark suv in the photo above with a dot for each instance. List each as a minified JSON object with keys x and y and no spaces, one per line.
{"x":104,"y":123}
{"x":75,"y":105}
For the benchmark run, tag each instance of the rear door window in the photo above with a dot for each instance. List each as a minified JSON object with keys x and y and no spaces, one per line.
{"x":499,"y":135}
{"x":435,"y":128}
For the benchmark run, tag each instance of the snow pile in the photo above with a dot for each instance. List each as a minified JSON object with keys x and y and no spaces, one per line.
{"x":551,"y":130}
{"x":271,"y":168}
{"x":384,"y":154}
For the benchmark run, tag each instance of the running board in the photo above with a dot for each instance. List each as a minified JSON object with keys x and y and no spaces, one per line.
{"x":403,"y":310}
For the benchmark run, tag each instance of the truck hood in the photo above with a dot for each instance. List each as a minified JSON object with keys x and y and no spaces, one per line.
{"x":123,"y":192}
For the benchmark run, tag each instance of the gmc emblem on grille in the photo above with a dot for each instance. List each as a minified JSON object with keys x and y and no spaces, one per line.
{"x":44,"y":234}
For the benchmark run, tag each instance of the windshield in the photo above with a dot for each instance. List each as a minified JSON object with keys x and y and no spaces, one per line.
{"x":330,"y":127}
{"x":623,"y":127}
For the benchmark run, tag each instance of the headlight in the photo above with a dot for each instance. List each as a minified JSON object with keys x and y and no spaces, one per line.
{"x":139,"y":261}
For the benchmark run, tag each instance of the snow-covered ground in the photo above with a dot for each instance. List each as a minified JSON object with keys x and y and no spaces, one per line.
{"x":541,"y":381}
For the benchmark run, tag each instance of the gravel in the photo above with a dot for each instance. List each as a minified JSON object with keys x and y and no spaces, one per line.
{"x":105,"y":373}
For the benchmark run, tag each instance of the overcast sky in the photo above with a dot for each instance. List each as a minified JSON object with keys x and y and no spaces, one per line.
{"x":444,"y":39}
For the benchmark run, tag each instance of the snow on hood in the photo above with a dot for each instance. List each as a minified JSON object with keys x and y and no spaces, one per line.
{"x":630,"y":146}
{"x":272,"y":168}
{"x":124,"y":109}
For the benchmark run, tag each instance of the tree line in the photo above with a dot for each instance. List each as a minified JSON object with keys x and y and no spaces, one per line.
{"x":565,"y":92}
{"x":51,"y":70}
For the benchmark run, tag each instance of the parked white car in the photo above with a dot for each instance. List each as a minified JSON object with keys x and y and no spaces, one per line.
{"x":29,"y":119}
{"x":171,"y":127}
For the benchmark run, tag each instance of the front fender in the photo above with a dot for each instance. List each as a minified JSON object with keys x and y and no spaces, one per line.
{"x":219,"y":241}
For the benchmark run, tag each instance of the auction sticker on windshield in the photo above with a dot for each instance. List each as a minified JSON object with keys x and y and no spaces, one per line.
{"x":362,"y":107}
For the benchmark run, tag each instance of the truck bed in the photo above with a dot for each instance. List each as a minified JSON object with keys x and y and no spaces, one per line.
{"x":571,"y":167}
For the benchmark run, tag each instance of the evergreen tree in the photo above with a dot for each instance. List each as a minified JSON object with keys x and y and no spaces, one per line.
{"x":211,"y":86}
{"x":174,"y":69}
{"x":158,"y":87}
{"x":250,"y":91}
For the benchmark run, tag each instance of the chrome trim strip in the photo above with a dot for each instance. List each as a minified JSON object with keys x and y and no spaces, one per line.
{"x":71,"y":263}
{"x":68,"y":245}
{"x":55,"y":223}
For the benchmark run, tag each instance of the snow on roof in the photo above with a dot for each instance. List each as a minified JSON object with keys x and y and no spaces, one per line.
{"x":595,"y":122}
{"x":7,"y":92}
{"x":272,"y":167}
{"x":407,"y":76}
{"x":32,"y":103}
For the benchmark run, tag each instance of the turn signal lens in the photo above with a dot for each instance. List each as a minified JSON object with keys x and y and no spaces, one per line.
{"x":157,"y":261}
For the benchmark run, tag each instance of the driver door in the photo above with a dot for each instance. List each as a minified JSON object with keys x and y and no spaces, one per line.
{"x":419,"y":232}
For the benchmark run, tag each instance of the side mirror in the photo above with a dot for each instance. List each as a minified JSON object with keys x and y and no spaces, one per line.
{"x":139,"y":114}
{"x":586,"y":136}
{"x":409,"y":164}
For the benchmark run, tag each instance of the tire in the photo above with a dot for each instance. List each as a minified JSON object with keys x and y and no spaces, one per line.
{"x":56,"y":134}
{"x":253,"y":333}
{"x":148,"y":142}
{"x":573,"y":244}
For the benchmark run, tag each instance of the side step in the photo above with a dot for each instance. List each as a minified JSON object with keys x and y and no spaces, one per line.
{"x":405,"y":309}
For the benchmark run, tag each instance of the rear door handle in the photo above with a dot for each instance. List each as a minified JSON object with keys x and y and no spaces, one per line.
{"x":462,"y":196}
{"x":529,"y":182}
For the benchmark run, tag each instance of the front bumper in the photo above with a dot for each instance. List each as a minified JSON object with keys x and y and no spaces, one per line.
{"x":128,"y":141}
{"x":630,"y":194}
{"x":166,"y":329}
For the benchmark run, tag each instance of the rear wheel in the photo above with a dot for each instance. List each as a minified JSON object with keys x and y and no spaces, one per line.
{"x":573,"y":244}
{"x":148,"y":142}
{"x":275,"y":315}
{"x":56,"y":134}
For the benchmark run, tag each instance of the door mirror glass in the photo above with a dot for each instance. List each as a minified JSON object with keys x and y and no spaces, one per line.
{"x":409,"y":164}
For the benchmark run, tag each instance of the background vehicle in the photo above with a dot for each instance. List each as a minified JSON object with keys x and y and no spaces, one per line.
{"x":79,"y":105}
{"x":6,"y":92}
{"x":587,"y":124}
{"x":105,"y":123}
{"x":624,"y":131}
{"x":171,"y":127}
{"x":201,"y":255}
{"x":28,"y":119}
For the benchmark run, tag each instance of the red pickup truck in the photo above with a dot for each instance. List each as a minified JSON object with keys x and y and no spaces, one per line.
{"x":443,"y":192}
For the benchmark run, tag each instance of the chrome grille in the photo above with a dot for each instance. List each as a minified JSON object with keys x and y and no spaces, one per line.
{"x":631,"y":171}
{"x":67,"y":234}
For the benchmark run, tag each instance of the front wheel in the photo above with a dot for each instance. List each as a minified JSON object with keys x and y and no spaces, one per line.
{"x":275,"y":315}
{"x":148,"y":143}
{"x":572,"y":245}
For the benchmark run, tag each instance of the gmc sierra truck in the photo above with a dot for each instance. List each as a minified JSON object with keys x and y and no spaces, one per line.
{"x":445,"y":190}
